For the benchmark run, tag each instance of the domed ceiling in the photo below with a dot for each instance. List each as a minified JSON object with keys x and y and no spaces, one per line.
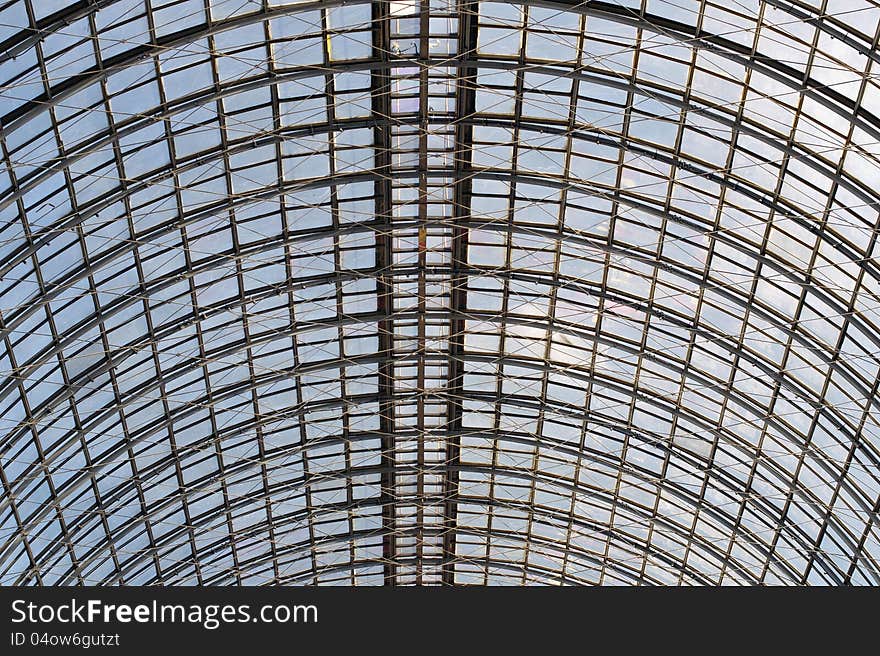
{"x":439,"y":293}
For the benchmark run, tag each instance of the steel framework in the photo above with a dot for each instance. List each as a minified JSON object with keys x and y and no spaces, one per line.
{"x":439,"y":292}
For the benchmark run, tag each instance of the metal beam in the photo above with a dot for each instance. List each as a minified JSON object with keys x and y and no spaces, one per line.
{"x":465,"y":107}
{"x":381,"y":104}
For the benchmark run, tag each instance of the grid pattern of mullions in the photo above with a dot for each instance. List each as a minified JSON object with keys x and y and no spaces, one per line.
{"x":439,"y":292}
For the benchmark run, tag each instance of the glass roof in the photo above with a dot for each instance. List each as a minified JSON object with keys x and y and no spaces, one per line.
{"x":439,"y":292}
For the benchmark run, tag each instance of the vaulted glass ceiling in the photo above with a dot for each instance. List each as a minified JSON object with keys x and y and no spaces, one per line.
{"x":439,"y":292}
